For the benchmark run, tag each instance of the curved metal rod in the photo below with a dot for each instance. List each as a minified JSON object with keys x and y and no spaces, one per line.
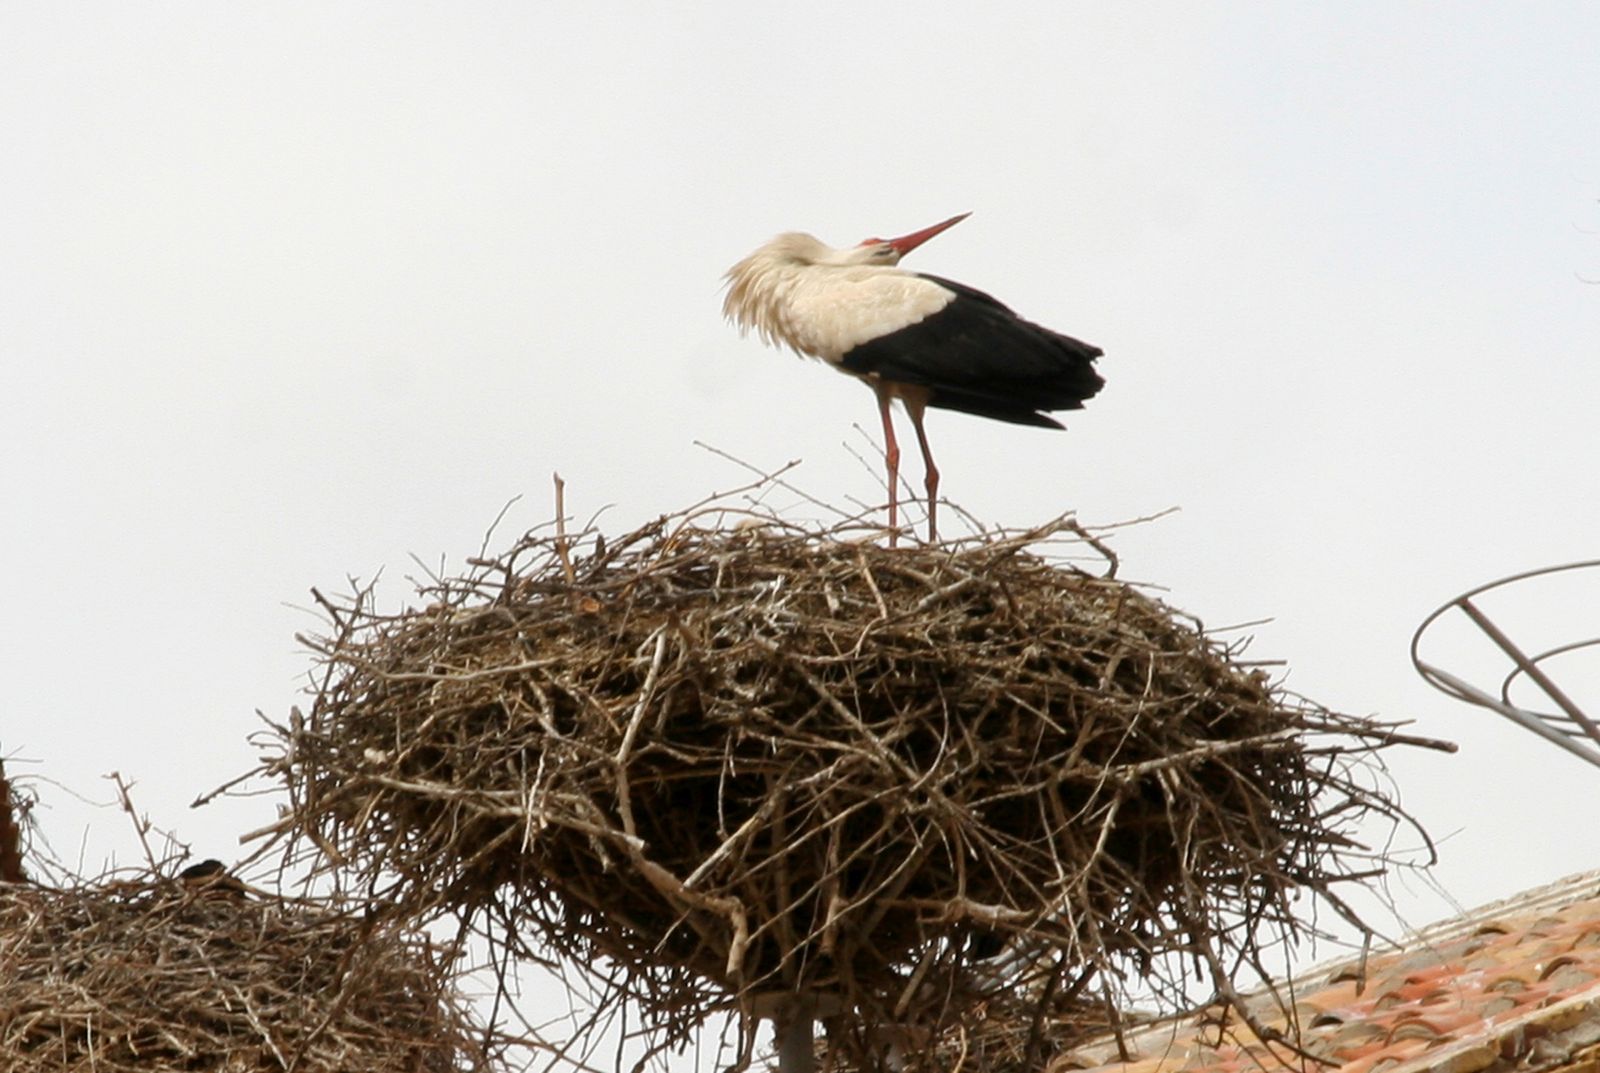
{"x":1416,"y":660}
{"x":1452,"y":686}
{"x":1456,"y":687}
{"x":1549,"y":653}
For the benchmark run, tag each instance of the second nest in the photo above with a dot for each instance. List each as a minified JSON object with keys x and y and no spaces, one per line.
{"x":716,"y":764}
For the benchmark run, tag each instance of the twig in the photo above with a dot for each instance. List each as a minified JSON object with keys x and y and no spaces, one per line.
{"x":562,"y":551}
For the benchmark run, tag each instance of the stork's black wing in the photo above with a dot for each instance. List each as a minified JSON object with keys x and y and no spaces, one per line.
{"x":977,"y":356}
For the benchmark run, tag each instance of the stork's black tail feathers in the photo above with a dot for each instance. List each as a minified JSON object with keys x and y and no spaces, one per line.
{"x":976,"y":356}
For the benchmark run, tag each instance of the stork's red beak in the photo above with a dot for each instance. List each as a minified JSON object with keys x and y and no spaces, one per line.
{"x":906,"y":243}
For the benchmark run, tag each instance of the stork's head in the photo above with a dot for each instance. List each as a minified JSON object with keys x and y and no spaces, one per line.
{"x":888,"y":251}
{"x":760,"y":285}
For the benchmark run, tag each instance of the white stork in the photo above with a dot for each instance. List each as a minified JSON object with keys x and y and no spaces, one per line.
{"x":920,"y":339}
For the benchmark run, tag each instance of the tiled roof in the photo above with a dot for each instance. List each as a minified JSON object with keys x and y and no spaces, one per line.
{"x":1512,"y":986}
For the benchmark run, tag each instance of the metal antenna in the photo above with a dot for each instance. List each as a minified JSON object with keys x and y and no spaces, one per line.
{"x":1570,"y":728}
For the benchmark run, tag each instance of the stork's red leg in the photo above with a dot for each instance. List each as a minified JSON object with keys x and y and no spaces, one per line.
{"x":931,"y":479}
{"x":891,"y":456}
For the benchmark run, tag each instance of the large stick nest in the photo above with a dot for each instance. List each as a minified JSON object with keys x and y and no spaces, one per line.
{"x":159,"y":974}
{"x":725,"y":764}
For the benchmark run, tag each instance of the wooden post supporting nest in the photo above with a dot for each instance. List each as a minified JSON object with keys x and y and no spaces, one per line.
{"x":792,"y":1027}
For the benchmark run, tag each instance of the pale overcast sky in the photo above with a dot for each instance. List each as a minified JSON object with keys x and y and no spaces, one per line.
{"x":289,"y":292}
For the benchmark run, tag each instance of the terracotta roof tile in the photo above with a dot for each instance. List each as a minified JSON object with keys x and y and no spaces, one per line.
{"x":1514,"y":985}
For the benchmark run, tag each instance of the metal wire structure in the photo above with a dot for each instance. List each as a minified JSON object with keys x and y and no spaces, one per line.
{"x":1569,"y":727}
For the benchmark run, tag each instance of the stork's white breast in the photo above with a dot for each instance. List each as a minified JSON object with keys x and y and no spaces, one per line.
{"x":828,"y":313}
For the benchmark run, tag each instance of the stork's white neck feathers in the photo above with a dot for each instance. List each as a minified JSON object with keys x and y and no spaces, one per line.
{"x":820,"y":300}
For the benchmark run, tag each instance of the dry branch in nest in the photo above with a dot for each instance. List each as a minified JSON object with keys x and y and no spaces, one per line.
{"x":738,"y":764}
{"x":159,"y":974}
